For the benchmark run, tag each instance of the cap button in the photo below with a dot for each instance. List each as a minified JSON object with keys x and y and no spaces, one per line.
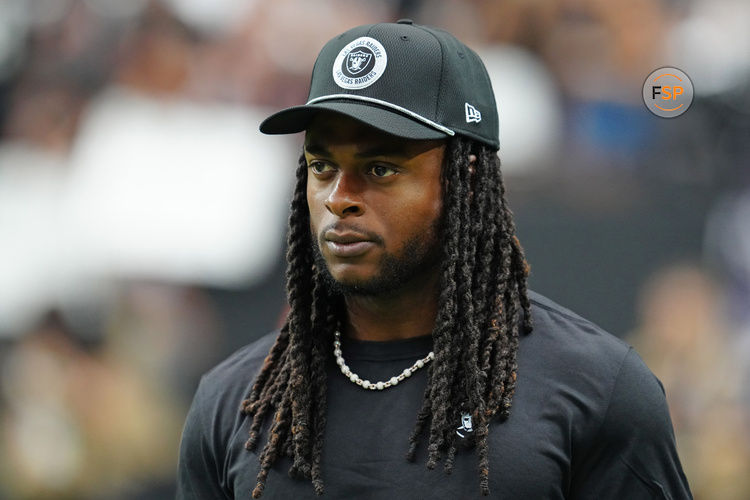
{"x":405,"y":21}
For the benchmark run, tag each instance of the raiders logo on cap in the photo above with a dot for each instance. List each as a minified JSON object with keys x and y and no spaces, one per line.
{"x":359,"y":64}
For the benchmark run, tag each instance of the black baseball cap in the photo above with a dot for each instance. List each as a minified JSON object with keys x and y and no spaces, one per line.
{"x":408,"y":80}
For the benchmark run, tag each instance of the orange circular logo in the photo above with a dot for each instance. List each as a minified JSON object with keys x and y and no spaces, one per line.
{"x":668,"y":92}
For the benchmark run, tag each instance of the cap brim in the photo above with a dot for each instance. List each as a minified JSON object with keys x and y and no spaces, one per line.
{"x":298,"y":118}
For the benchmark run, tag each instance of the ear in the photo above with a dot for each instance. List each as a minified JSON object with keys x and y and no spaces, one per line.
{"x":472,"y":162}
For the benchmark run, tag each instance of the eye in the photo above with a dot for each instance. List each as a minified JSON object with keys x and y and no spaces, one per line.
{"x":382,"y":170}
{"x":319,"y":167}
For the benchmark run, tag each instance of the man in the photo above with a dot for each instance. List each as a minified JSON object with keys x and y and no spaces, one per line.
{"x":408,"y":340}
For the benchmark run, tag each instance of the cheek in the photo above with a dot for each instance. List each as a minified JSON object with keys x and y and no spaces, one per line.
{"x":417,"y":215}
{"x":313,"y":205}
{"x":432,"y":203}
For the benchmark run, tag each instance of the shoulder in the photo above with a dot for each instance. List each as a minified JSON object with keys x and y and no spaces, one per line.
{"x":222,"y":388}
{"x":241,"y":364}
{"x":562,"y":337}
{"x":580,"y":369}
{"x":572,"y":348}
{"x":622,"y":438}
{"x":214,"y":417}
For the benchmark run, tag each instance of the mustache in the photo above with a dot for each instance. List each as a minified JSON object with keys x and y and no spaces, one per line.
{"x":340,"y":227}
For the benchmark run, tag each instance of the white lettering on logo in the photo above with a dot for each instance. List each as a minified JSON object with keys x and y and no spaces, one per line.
{"x":472,"y":114}
{"x":359,"y":64}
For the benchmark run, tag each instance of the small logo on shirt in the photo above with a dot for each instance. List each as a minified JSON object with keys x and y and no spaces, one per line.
{"x":472,"y":114}
{"x":466,"y":425}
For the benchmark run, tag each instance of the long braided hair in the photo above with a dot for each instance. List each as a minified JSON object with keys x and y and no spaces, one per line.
{"x":483,"y":307}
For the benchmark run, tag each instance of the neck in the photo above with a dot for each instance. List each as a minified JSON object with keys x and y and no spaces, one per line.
{"x":407,"y":312}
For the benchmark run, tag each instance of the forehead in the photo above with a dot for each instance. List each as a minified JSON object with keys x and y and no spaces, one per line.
{"x":333,"y":130}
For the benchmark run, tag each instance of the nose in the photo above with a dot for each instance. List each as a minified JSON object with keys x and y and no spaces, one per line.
{"x":345,"y":198}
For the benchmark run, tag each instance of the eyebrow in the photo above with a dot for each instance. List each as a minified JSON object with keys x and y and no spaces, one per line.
{"x":316,"y":149}
{"x":378,"y":150}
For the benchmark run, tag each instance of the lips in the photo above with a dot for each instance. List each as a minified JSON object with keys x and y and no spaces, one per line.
{"x":347,"y":244}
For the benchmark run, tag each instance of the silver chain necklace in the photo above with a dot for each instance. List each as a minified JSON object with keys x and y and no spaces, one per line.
{"x":375,"y":386}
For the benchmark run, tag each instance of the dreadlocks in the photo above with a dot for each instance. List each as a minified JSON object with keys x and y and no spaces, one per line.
{"x":483,"y":305}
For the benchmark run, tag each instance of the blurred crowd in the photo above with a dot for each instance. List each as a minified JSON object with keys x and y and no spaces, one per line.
{"x":142,"y":216}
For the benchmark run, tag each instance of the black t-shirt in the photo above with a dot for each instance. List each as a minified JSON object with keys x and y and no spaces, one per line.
{"x":589,"y":421}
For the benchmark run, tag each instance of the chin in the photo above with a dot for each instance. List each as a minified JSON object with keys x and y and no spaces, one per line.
{"x":351,"y":282}
{"x":350,"y":275}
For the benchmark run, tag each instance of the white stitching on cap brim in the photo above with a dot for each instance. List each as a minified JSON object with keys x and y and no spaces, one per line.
{"x":386,"y":104}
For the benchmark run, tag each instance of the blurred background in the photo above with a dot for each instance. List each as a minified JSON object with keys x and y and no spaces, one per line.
{"x":143,"y":217}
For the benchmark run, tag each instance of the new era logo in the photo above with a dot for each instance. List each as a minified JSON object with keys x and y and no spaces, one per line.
{"x":472,"y":114}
